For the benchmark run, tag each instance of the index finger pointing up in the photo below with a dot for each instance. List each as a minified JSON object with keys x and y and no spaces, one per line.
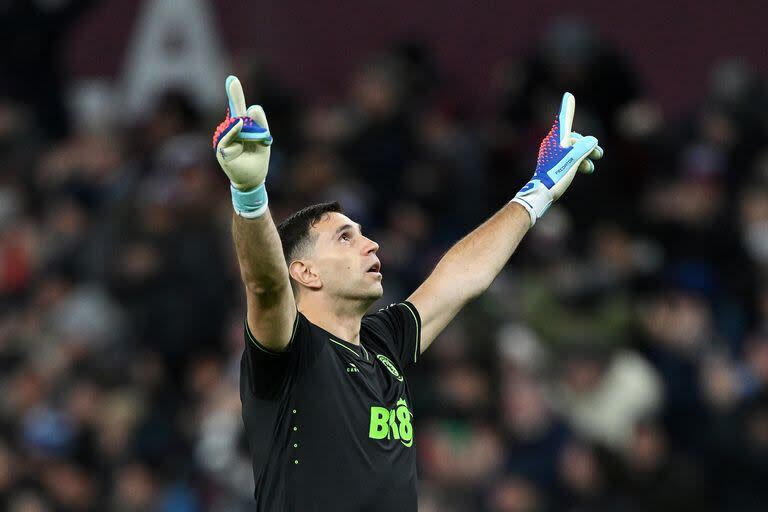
{"x":236,"y":97}
{"x":567,"y":111}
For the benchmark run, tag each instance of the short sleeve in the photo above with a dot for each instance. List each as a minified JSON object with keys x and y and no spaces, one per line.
{"x":399,"y":326}
{"x":270,"y":372}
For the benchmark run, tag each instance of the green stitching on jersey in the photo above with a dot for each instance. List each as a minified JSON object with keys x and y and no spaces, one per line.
{"x":418,"y":333}
{"x":342,"y":346}
{"x":264,"y":349}
{"x":253,"y":340}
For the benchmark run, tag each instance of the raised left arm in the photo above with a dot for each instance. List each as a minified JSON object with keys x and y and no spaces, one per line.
{"x":468,"y":269}
{"x":471,"y":265}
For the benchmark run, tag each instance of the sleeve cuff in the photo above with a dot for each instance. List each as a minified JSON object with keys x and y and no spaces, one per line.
{"x":417,"y":319}
{"x":251,"y":338}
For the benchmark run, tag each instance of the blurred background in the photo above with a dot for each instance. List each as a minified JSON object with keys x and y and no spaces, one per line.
{"x":619,"y":362}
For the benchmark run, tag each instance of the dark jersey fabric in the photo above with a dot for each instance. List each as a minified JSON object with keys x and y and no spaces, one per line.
{"x":308,"y":416}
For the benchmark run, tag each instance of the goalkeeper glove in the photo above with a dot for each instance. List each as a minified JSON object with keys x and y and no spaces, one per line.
{"x":561,"y":154}
{"x":242,"y":143}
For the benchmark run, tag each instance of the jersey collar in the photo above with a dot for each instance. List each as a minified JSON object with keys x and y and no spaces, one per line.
{"x":358,"y":351}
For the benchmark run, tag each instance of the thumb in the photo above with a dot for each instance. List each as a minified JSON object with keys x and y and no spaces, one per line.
{"x":584,"y":146}
{"x":596,"y":153}
{"x":587,"y":166}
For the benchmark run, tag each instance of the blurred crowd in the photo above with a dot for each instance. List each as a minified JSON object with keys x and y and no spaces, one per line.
{"x":619,"y":362}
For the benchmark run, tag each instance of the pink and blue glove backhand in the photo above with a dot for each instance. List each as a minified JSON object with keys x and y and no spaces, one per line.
{"x":561,"y":154}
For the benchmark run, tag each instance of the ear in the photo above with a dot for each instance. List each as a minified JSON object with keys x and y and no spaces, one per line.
{"x":304,"y":273}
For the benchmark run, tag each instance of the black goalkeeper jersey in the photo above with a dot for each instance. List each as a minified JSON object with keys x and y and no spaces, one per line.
{"x":330,"y":424}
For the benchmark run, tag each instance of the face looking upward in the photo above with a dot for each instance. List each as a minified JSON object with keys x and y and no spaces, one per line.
{"x":343,"y":263}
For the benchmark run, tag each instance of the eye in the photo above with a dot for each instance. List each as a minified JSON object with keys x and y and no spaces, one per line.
{"x":345,"y":236}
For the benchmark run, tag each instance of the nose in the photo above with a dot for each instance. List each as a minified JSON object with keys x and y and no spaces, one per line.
{"x":372,"y":248}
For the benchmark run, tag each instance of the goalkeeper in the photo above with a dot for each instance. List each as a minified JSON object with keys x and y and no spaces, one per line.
{"x":326,"y":404}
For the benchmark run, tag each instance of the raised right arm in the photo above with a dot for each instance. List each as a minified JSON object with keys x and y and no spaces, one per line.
{"x":242,"y":144}
{"x":270,"y":302}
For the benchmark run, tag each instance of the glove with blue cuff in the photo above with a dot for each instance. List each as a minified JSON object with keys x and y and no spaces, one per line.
{"x":562,"y":153}
{"x":242,"y":143}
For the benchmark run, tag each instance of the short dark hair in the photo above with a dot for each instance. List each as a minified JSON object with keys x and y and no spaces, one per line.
{"x":295,"y":233}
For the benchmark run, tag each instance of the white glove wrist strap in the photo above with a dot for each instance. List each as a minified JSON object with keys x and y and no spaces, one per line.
{"x":536,"y":200}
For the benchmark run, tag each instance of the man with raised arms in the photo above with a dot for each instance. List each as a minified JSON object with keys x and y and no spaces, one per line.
{"x":326,"y":403}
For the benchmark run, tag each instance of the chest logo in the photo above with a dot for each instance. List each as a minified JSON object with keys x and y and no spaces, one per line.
{"x":389,"y":366}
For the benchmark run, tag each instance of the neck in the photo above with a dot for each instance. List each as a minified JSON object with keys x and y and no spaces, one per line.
{"x":340,"y":317}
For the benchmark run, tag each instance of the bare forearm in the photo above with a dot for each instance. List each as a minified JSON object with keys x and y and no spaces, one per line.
{"x":269,"y":299}
{"x":260,"y":254}
{"x":474,"y":262}
{"x":468,"y":269}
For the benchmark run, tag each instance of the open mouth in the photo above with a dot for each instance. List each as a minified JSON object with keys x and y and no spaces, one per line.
{"x":375,"y":268}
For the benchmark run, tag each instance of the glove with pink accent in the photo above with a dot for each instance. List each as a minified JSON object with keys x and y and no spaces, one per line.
{"x":561,"y":154}
{"x":242,"y":144}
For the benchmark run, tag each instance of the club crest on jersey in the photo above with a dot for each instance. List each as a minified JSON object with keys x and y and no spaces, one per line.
{"x":389,"y":366}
